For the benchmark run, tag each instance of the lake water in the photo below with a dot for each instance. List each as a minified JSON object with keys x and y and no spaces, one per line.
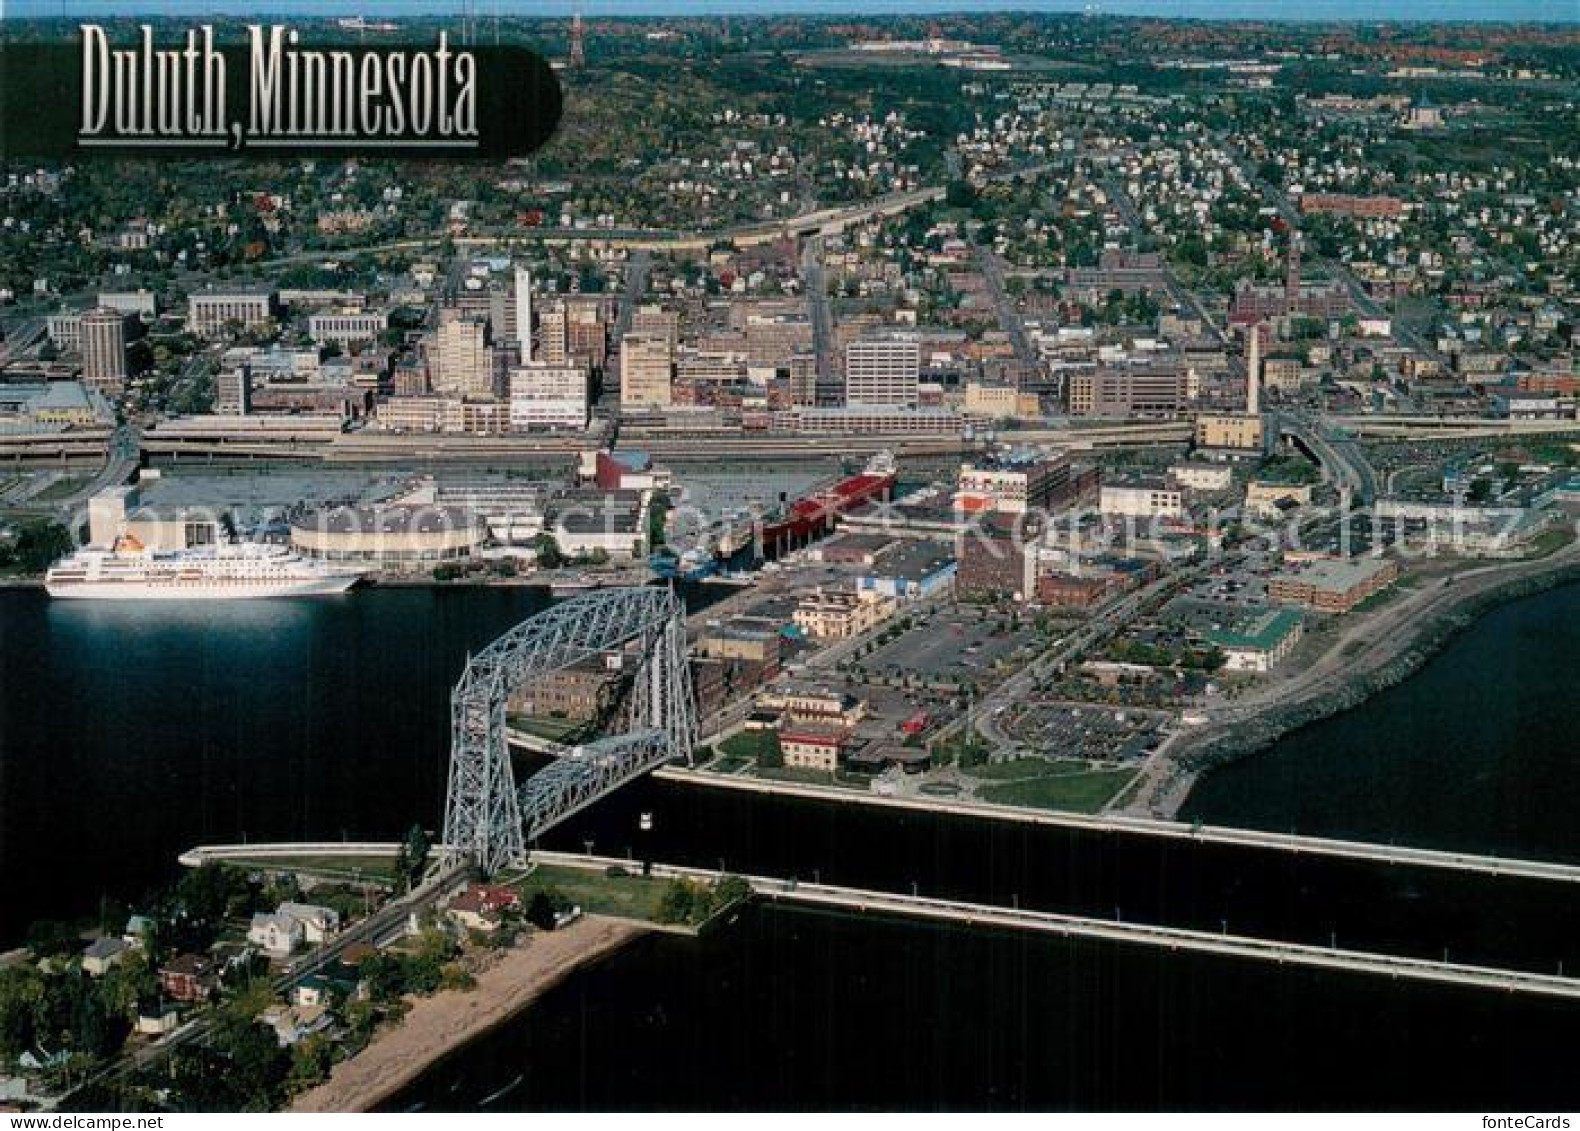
{"x":130,"y":732}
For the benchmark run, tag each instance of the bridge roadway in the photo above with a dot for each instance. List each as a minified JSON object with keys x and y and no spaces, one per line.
{"x":1338,"y":453}
{"x":1113,"y":930}
{"x":1146,"y":826}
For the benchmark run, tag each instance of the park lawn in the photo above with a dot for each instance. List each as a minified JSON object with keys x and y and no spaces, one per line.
{"x":551,"y":730}
{"x":1085,"y":791}
{"x":1015,"y":769}
{"x":630,"y":897}
{"x":749,"y":745}
{"x":1550,"y":542}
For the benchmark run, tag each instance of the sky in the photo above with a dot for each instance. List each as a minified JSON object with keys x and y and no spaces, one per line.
{"x":1566,"y":11}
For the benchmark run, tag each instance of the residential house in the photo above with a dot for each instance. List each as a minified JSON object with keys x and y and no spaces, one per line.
{"x":157,"y":1018}
{"x":189,"y":977}
{"x":103,"y":954}
{"x":481,"y":907}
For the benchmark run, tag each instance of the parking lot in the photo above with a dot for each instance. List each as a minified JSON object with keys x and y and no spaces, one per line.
{"x":1078,"y":730}
{"x":955,"y":646}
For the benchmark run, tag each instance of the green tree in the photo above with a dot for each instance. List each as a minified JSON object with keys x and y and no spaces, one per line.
{"x":678,"y":902}
{"x":311,"y":1062}
{"x":415,"y":851}
{"x":39,"y":544}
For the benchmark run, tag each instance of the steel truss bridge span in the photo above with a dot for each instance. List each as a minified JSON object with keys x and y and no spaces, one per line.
{"x":639,"y":632}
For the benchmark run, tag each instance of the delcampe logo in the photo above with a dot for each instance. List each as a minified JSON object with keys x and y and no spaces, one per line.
{"x":273,"y":93}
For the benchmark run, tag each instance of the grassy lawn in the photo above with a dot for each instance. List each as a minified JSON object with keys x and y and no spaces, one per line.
{"x":1551,"y":541}
{"x":339,"y":867}
{"x":1015,"y":769}
{"x":631,"y":897}
{"x":1085,"y":791}
{"x":554,"y":730}
{"x":748,"y":745}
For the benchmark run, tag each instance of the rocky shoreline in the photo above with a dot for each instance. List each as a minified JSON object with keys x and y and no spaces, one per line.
{"x":1257,"y":734}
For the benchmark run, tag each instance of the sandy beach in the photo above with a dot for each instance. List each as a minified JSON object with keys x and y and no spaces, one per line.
{"x":436,"y":1025}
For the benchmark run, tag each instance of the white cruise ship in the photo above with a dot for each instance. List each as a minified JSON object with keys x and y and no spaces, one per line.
{"x":130,"y":572}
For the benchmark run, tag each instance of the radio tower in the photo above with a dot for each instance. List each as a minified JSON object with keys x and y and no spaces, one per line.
{"x":578,"y":55}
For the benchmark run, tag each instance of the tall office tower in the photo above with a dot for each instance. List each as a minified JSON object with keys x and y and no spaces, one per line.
{"x":586,"y":329}
{"x":653,"y":321}
{"x":553,"y":339}
{"x":524,"y":313}
{"x":883,"y":371}
{"x":1253,"y":369}
{"x":803,"y":380}
{"x":462,"y":364}
{"x":103,"y":345}
{"x":646,"y":367}
{"x":548,"y":396}
{"x":233,"y":391}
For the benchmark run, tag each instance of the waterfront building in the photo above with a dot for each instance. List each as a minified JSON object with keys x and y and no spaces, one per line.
{"x":392,"y":537}
{"x":1258,"y":641}
{"x":582,"y":691}
{"x":1332,"y":586}
{"x":813,"y":748}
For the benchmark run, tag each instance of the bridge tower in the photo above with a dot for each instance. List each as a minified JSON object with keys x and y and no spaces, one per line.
{"x":640,"y":633}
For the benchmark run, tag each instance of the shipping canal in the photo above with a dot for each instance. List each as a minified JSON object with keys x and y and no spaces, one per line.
{"x":129,"y":733}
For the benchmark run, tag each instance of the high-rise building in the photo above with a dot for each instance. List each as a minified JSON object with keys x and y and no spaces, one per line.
{"x":233,"y":391}
{"x":803,"y":380}
{"x":653,"y":321}
{"x":883,"y":371}
{"x":523,"y":327}
{"x":103,"y":337}
{"x":462,"y":363}
{"x":1253,"y":369}
{"x":553,"y":335}
{"x":646,"y":370}
{"x":548,"y":396}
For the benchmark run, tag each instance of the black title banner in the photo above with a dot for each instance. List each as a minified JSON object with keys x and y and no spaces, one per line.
{"x":183,"y":91}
